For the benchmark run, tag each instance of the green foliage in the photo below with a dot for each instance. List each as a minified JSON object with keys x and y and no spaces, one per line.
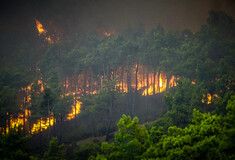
{"x":55,"y":151}
{"x":13,"y":146}
{"x":180,"y":102}
{"x":207,"y":137}
{"x":86,"y":151}
{"x":129,"y":142}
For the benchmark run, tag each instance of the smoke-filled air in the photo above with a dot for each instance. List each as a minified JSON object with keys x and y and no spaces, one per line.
{"x":117,"y":79}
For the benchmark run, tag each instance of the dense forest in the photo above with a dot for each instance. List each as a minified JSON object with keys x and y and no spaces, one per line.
{"x":134,"y":94}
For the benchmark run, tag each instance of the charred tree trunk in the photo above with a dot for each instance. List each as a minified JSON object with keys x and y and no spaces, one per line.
{"x":144,"y":84}
{"x":122,"y":70}
{"x":147,"y":81}
{"x":154,"y":81}
{"x":167,"y":81}
{"x":104,"y":75}
{"x":128,"y":79}
{"x":8,"y":121}
{"x":29,"y":126}
{"x":54,"y":129}
{"x":109,"y":73}
{"x":84,"y":85}
{"x":5,"y":123}
{"x":49,"y":115}
{"x":24,"y":125}
{"x":40,"y":133}
{"x":136,"y":78}
{"x":91,"y":82}
{"x":158,"y":83}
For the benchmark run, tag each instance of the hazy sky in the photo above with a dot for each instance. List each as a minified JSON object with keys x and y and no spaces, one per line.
{"x":85,"y":15}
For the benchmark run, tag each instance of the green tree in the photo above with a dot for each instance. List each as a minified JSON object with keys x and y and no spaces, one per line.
{"x":129,"y":141}
{"x":13,"y":145}
{"x":55,"y":151}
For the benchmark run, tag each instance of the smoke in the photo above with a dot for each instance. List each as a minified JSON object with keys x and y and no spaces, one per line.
{"x":74,"y":16}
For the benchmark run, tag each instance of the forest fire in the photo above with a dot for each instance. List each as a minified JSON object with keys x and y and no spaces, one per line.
{"x":146,"y":83}
{"x":40,"y":28}
{"x":75,"y":110}
{"x":209,"y":98}
{"x":43,"y":32}
{"x":43,"y":124}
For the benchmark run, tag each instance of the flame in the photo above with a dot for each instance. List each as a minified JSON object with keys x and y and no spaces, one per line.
{"x":162,"y":84}
{"x":107,"y":34}
{"x":40,"y":28}
{"x":27,"y":112}
{"x":75,"y":111}
{"x":49,"y":40}
{"x":41,"y":84}
{"x":92,"y":85}
{"x":209,"y":98}
{"x":43,"y":124}
{"x":43,"y":32}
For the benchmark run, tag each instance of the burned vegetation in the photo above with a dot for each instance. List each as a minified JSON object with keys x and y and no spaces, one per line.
{"x":130,"y":93}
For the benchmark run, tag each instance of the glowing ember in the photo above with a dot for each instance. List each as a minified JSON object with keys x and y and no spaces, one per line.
{"x":107,"y":34}
{"x":75,"y":111}
{"x":41,"y":84}
{"x":208,"y":98}
{"x":42,"y":125}
{"x":40,"y":28}
{"x":162,"y":84}
{"x":145,"y":83}
{"x":42,"y":32}
{"x":49,"y":40}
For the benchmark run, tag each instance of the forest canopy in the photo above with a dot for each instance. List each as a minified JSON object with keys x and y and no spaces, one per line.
{"x":179,"y":83}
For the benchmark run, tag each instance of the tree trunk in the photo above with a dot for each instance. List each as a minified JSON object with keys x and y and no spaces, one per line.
{"x":5,"y":123}
{"x":167,"y":82}
{"x":91,"y":82}
{"x":128,"y":79}
{"x":122,"y":77}
{"x":40,"y":133}
{"x":154,"y":81}
{"x":158,"y":83}
{"x":49,"y":115}
{"x":24,"y":130}
{"x":8,"y":121}
{"x":84,"y":85}
{"x":136,"y":78}
{"x":147,"y":81}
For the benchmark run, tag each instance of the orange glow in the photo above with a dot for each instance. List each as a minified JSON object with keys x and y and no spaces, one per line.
{"x":75,"y":111}
{"x":122,"y":87}
{"x":49,"y":40}
{"x":87,"y":83}
{"x":208,"y":98}
{"x":16,"y":122}
{"x":42,"y":124}
{"x":171,"y":83}
{"x":27,"y":112}
{"x":40,"y":28}
{"x":162,"y":84}
{"x":41,"y":84}
{"x":107,"y":34}
{"x":43,"y":32}
{"x":215,"y":96}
